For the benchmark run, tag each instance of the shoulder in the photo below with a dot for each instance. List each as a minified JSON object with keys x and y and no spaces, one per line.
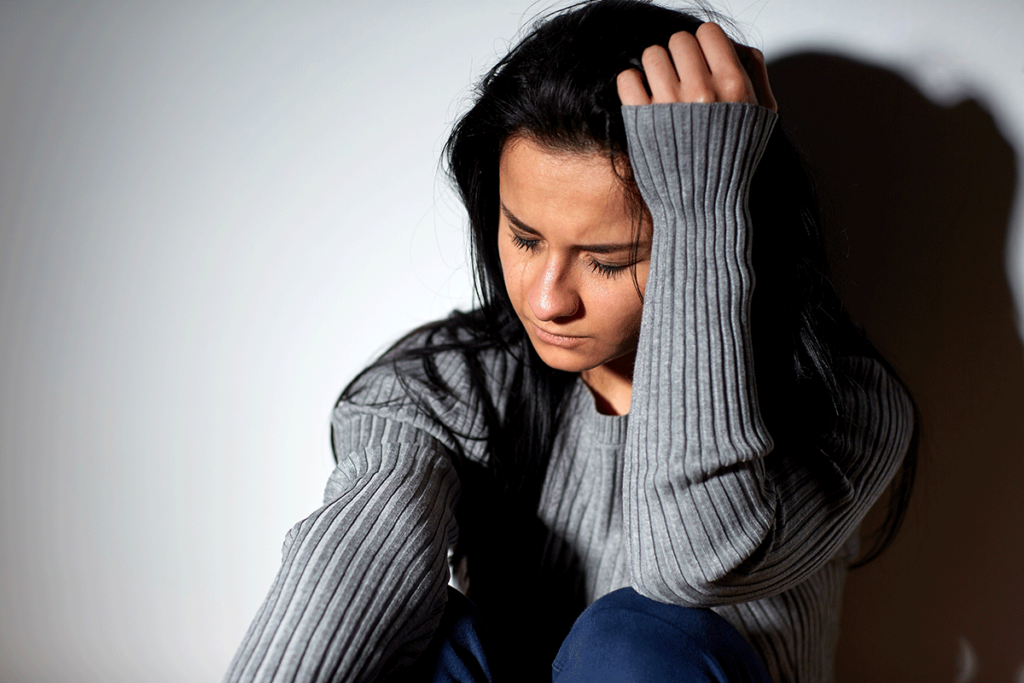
{"x":440,"y":378}
{"x":871,"y":382}
{"x":878,"y":413}
{"x":446,"y":361}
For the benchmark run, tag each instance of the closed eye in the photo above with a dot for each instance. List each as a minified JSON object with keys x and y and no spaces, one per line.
{"x":523,"y":243}
{"x":605,"y":269}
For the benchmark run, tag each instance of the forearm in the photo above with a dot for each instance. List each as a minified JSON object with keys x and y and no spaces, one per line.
{"x":694,"y":422}
{"x":713,"y":513}
{"x":362,"y":584}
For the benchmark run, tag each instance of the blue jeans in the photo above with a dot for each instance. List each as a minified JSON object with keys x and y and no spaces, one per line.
{"x":623,"y":637}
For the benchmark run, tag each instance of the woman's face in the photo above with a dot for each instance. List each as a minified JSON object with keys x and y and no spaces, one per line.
{"x":565,"y":238}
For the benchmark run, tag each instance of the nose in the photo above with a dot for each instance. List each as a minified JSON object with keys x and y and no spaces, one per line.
{"x":553,"y":293}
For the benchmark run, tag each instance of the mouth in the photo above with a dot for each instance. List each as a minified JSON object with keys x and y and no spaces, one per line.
{"x":560,"y":340}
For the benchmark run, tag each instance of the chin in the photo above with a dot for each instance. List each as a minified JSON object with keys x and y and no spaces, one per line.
{"x":567,"y":366}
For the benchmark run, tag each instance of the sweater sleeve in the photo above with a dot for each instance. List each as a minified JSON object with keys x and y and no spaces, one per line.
{"x":713,"y":514}
{"x":362,"y":585}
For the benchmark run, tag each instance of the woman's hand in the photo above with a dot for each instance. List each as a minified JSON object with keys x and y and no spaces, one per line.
{"x":706,"y":67}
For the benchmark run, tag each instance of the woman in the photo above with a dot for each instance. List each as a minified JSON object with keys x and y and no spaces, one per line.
{"x":623,"y":429}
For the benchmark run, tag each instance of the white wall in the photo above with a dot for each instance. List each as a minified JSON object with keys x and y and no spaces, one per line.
{"x":212,"y":214}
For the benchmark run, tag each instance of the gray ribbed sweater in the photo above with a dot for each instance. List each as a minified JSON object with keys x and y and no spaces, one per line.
{"x":684,"y":498}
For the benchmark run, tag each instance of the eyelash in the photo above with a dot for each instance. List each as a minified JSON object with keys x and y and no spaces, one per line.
{"x":605,"y":269}
{"x":521,"y":243}
{"x":595,"y":266}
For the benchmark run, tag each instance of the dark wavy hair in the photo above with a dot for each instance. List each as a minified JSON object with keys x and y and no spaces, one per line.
{"x":558,"y":86}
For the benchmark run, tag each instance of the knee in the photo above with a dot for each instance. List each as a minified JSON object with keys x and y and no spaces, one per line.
{"x":625,"y":636}
{"x":459,"y":650}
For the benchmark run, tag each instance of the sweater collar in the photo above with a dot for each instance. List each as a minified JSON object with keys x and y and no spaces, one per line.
{"x":605,"y":429}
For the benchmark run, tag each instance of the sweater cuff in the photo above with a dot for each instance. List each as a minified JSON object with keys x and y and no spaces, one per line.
{"x":712,"y":148}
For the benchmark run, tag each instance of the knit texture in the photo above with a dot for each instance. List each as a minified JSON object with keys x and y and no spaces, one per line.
{"x":686,"y":498}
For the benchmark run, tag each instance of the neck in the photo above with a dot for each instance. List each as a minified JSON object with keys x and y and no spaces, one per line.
{"x":612,"y":384}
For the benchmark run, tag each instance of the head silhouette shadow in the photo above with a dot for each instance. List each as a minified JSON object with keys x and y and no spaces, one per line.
{"x":920,"y":197}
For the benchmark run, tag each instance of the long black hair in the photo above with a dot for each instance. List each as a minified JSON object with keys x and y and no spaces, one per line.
{"x":558,"y":86}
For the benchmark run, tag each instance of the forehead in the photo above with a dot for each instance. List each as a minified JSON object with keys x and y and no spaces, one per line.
{"x":554,"y":189}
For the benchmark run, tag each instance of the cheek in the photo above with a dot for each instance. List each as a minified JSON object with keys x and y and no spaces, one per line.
{"x":617,"y":309}
{"x":630,"y":313}
{"x":631,"y":305}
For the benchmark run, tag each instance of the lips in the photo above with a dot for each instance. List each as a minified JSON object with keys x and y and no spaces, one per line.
{"x":560,"y":340}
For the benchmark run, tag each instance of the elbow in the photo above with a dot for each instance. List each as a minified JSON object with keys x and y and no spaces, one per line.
{"x":705,"y":564}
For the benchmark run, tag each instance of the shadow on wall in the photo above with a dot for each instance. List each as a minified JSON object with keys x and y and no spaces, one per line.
{"x":922,"y":196}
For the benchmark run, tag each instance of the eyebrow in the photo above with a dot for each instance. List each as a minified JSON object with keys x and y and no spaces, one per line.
{"x":593,"y":248}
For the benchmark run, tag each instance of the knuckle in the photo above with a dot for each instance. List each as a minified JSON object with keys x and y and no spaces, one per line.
{"x":738,"y":95}
{"x":702,"y":93}
{"x":734,"y":86}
